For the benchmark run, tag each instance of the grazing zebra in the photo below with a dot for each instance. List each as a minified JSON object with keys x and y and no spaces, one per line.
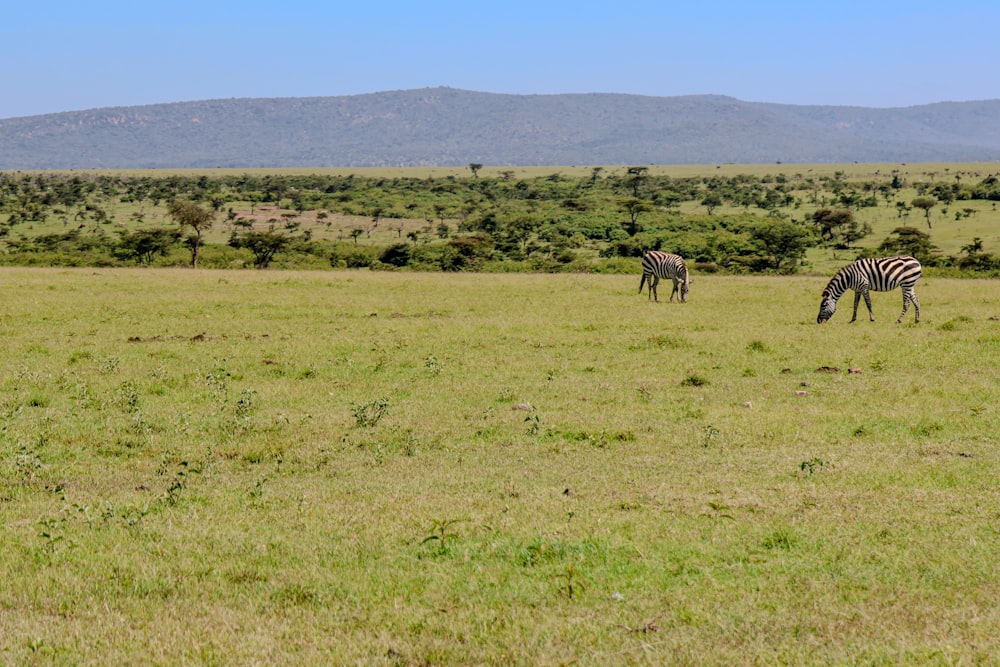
{"x":880,"y":275}
{"x":656,"y":265}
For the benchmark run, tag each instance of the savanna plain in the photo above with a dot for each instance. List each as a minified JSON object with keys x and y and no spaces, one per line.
{"x":387,"y":468}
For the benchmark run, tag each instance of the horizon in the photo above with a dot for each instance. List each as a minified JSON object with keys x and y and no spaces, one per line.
{"x":484,"y":92}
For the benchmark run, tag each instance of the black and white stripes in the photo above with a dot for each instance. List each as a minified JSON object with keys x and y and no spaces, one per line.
{"x":878,"y":275}
{"x":656,"y":265}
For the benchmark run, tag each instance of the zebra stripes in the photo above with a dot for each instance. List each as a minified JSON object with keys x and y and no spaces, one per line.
{"x":656,"y":265}
{"x":879,"y":275}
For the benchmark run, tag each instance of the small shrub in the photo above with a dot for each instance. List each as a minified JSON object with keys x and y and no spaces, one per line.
{"x":780,"y":539}
{"x":813,"y":465}
{"x":38,"y":400}
{"x":371,"y":413}
{"x":694,"y":380}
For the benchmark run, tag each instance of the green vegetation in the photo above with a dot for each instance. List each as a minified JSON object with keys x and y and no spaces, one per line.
{"x":732,"y":220}
{"x":362,"y":467}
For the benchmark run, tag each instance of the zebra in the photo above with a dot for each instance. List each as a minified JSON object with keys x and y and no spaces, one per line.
{"x":656,"y":265}
{"x":880,"y":275}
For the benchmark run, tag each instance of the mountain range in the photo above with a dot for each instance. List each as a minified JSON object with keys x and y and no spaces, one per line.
{"x":452,"y":127}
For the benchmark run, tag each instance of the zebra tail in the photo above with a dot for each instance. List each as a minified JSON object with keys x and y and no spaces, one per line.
{"x":642,"y":282}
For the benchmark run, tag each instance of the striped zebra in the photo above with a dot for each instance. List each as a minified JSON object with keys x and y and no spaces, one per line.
{"x":880,"y":275}
{"x":656,"y":265}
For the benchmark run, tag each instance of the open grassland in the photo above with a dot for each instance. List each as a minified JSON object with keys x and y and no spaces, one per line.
{"x":214,"y":467}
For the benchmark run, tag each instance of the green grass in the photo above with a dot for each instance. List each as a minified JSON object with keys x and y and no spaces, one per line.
{"x":218,"y":467}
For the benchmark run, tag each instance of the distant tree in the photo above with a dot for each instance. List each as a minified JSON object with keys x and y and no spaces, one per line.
{"x":711,"y":201}
{"x":977,"y":260}
{"x":189,"y":214}
{"x":926,"y":203}
{"x":100,"y":216}
{"x":853,"y":232}
{"x":475,"y":167}
{"x":355,"y":233}
{"x":398,"y":254}
{"x":467,"y":252}
{"x":909,"y":241}
{"x":975,"y":247}
{"x":142,"y":245}
{"x":519,"y":230}
{"x":263,"y":245}
{"x":636,"y":174}
{"x":634,"y":207}
{"x":838,"y":227}
{"x":784,"y":242}
{"x":829,"y":220}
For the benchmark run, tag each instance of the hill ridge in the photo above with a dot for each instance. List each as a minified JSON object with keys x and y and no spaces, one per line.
{"x":446,"y":126}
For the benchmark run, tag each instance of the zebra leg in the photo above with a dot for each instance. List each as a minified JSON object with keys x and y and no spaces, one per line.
{"x":906,"y":306}
{"x":868,"y":302}
{"x":674,"y":291}
{"x":857,"y":298}
{"x":653,"y":282}
{"x":909,"y":296}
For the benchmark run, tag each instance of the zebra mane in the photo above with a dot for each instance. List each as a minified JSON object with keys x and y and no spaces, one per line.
{"x":840,"y":282}
{"x":836,"y":287}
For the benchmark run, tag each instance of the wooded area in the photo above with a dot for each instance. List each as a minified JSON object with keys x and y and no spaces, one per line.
{"x":475,"y":220}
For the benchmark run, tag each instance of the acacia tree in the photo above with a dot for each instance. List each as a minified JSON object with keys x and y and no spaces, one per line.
{"x":711,"y":201}
{"x":263,"y":245}
{"x":909,"y":241}
{"x":926,"y":203}
{"x":636,"y":174}
{"x":189,"y":214}
{"x":143,"y":245}
{"x":634,"y":207}
{"x":838,"y":227}
{"x":782,"y":243}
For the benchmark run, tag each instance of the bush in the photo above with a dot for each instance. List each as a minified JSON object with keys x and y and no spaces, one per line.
{"x":397,"y":255}
{"x":351,"y":256}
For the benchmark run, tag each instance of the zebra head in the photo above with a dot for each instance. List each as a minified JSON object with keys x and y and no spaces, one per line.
{"x":827,"y":307}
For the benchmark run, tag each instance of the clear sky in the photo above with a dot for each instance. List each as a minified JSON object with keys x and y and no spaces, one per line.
{"x":68,"y":55}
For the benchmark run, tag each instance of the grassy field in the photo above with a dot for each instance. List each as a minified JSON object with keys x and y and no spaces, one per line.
{"x":213,"y":467}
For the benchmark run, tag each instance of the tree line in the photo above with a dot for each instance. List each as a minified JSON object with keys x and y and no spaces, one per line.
{"x":595,"y":222}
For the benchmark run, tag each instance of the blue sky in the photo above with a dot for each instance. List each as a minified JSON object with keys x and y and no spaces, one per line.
{"x":63,"y":55}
